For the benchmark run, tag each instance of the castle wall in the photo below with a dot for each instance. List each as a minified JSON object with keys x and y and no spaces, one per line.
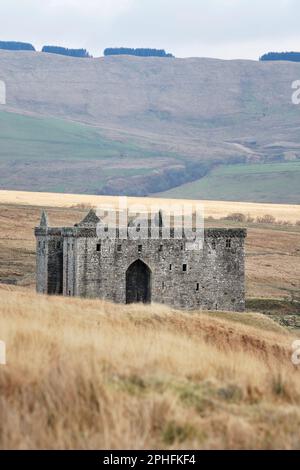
{"x":41,"y":265}
{"x":213,"y":278}
{"x":69,"y":264}
{"x":55,"y":265}
{"x":74,"y":262}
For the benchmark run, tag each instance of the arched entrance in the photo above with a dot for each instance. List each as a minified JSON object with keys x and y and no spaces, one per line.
{"x":138,"y":283}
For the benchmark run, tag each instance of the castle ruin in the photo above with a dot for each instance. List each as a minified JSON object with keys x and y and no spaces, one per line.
{"x":73,"y":261}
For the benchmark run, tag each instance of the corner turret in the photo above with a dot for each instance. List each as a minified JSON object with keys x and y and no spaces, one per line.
{"x":44,"y":220}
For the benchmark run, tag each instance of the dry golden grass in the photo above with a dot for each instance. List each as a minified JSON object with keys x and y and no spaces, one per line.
{"x":217,"y":209}
{"x":89,"y":374}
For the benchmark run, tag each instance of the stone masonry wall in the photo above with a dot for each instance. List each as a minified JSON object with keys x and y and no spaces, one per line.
{"x":212,"y":278}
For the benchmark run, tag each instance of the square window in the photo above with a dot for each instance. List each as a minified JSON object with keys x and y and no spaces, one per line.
{"x":140,"y":248}
{"x":197,"y":286}
{"x":161,"y":248}
{"x":184,"y":268}
{"x":98,"y":247}
{"x":170,"y":267}
{"x":119,"y":248}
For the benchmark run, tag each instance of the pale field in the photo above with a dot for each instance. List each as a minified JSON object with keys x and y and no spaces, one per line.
{"x":86,"y":374}
{"x":217,"y":209}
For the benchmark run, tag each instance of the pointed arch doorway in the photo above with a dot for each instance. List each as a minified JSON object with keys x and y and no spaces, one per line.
{"x":138,"y":283}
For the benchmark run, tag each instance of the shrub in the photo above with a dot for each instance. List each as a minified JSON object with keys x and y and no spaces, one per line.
{"x":236,"y":217}
{"x":266,"y":219}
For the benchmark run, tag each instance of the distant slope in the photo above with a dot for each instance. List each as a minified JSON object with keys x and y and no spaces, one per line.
{"x":23,"y":137}
{"x":205,"y":106}
{"x":192,"y":113}
{"x":272,"y":182}
{"x":44,"y":153}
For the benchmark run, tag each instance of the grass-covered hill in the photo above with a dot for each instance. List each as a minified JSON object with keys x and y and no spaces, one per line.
{"x":146,"y":125}
{"x":275,"y":182}
{"x":45,"y":153}
{"x":86,"y":374}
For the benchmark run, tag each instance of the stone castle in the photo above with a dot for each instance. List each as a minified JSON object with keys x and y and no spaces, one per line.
{"x":73,"y":261}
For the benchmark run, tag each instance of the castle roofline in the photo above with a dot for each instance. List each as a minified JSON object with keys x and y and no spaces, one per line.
{"x":90,"y":220}
{"x":87,"y":230}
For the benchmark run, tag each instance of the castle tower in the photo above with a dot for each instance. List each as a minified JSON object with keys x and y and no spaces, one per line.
{"x":49,"y":258}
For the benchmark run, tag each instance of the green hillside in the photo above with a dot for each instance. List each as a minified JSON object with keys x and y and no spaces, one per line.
{"x":51,"y":154}
{"x":272,"y":182}
{"x":45,"y":138}
{"x":56,"y":155}
{"x":129,"y":126}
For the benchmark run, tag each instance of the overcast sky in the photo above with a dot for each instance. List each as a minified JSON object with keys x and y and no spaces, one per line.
{"x":226,"y":29}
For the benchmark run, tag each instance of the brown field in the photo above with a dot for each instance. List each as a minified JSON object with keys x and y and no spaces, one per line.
{"x":273,"y":252}
{"x":85,"y":374}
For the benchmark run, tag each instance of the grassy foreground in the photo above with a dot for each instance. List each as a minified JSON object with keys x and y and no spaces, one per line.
{"x":89,"y":374}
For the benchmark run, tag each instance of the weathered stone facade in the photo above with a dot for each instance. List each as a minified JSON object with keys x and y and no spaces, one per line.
{"x":73,"y":261}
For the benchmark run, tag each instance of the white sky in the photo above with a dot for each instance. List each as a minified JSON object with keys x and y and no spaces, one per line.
{"x":226,"y":29}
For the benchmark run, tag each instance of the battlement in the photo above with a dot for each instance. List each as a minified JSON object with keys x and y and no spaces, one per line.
{"x":78,"y":232}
